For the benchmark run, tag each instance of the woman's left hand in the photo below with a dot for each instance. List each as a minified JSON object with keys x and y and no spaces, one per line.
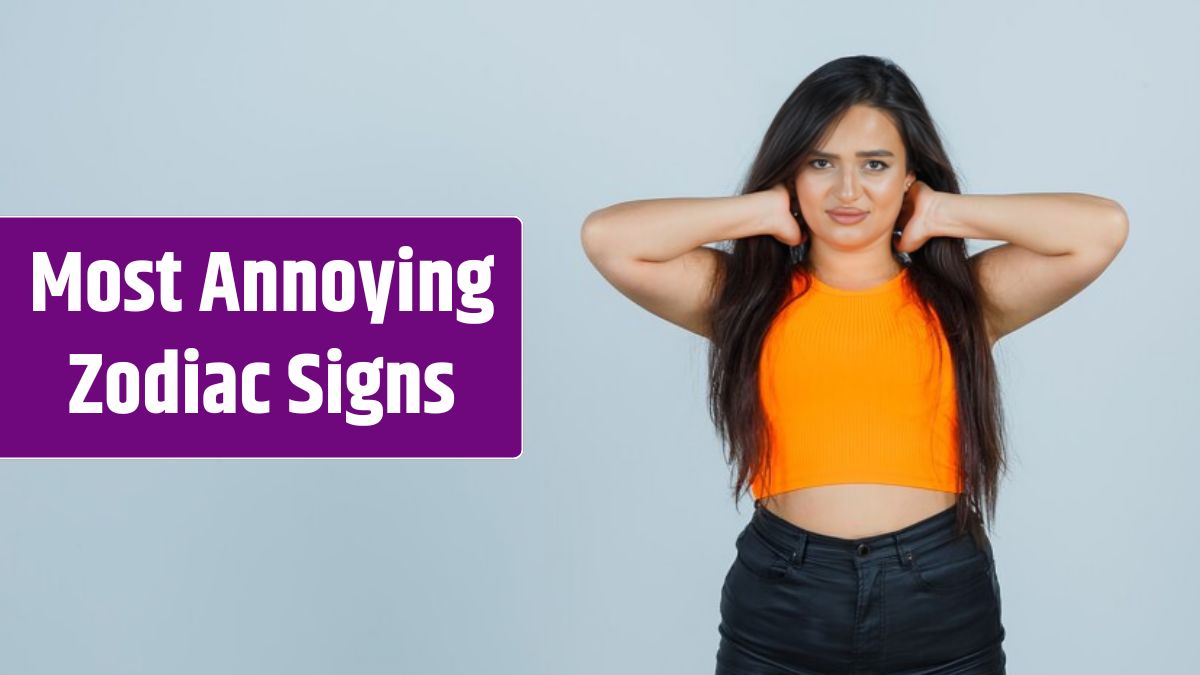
{"x":916,"y":217}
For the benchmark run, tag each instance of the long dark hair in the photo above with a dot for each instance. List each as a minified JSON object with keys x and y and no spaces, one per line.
{"x":751,"y":288}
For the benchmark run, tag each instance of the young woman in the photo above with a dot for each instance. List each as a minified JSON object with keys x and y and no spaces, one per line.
{"x":851,"y":371}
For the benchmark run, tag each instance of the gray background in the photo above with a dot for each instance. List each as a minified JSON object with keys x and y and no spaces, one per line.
{"x":601,"y":549}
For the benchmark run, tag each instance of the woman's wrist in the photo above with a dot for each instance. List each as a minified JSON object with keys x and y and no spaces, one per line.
{"x":770,"y":209}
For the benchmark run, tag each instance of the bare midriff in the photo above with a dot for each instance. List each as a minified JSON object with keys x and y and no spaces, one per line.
{"x":856,"y":510}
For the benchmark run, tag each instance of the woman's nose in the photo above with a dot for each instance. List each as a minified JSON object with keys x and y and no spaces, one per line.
{"x":849,"y":185}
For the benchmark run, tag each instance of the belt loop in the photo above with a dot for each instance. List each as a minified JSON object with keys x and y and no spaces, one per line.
{"x":902,"y":553}
{"x":797,"y":557}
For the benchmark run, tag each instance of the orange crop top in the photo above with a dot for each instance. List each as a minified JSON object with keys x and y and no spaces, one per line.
{"x":858,"y":387}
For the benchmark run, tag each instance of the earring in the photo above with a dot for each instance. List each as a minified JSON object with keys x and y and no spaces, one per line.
{"x":798,"y":252}
{"x":904,"y":257}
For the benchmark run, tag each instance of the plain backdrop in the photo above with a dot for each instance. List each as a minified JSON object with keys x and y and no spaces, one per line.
{"x":603,"y":547}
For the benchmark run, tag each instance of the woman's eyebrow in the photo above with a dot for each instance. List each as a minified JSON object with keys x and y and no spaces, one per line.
{"x":861,"y":153}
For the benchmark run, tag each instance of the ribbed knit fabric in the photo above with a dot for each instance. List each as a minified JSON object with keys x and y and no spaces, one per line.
{"x":858,"y":388}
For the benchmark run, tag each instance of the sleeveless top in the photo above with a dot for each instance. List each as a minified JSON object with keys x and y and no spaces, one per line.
{"x":858,"y":387}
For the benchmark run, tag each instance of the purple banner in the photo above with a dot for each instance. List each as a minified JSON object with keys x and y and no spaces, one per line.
{"x":262,"y":337}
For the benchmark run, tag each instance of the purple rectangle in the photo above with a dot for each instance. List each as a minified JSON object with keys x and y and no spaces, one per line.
{"x":461,"y":358}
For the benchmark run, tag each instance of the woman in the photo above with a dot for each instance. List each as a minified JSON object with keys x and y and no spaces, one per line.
{"x":851,"y":371}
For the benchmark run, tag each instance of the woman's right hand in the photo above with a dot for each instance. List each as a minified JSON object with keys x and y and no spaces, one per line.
{"x":779,"y":221}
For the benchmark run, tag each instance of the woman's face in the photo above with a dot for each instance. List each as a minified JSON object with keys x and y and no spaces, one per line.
{"x":835,"y":176}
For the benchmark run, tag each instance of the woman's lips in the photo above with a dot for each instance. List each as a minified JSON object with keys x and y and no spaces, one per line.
{"x":847,"y":219}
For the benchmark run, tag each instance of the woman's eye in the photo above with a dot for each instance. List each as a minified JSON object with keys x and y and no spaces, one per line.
{"x":882,"y":165}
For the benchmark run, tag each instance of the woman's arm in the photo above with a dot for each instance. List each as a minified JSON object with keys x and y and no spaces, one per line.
{"x":1050,"y":224}
{"x":1058,"y":244}
{"x":658,"y":230}
{"x":653,"y":250}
